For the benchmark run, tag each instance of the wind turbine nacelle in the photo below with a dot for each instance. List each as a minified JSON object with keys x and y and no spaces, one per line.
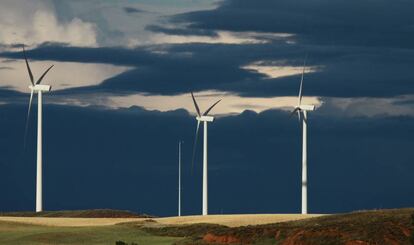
{"x":41,"y":87}
{"x":307,"y":107}
{"x":205,"y":118}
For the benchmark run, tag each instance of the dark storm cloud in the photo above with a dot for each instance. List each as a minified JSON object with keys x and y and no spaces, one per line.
{"x":6,"y":68}
{"x":8,"y":46}
{"x":127,"y":159}
{"x":111,"y":55}
{"x":406,"y":102}
{"x":361,"y":49}
{"x":132,"y":10}
{"x":181,"y":31}
{"x":343,"y":71}
{"x":173,"y":79}
{"x":7,"y":94}
{"x":356,"y":70}
{"x":338,"y":22}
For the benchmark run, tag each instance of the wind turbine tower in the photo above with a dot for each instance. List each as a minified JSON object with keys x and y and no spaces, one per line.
{"x":205,"y":118}
{"x":303,"y":109}
{"x":36,"y":87}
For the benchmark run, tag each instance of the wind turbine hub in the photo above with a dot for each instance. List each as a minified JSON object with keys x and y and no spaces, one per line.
{"x":40,"y":87}
{"x":205,"y":118}
{"x":306,"y":107}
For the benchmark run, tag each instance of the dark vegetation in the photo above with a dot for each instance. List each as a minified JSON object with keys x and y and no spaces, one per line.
{"x":379,"y":227}
{"x":124,"y":243}
{"x":93,"y":213}
{"x":412,"y":232}
{"x":194,"y":230}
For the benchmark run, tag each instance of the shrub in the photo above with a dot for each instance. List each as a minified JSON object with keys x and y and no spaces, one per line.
{"x":124,"y":243}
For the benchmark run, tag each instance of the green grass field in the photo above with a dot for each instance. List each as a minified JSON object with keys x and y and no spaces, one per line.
{"x":16,"y":233}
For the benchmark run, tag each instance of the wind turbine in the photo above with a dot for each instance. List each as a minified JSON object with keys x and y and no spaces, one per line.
{"x":39,"y":89}
{"x":300,"y":108}
{"x":205,"y":118}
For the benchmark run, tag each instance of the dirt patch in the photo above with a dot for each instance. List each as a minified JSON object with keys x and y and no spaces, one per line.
{"x":357,"y":242}
{"x":220,"y":239}
{"x":304,"y":237}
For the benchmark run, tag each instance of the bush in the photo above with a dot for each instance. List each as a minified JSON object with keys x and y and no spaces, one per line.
{"x":124,"y":243}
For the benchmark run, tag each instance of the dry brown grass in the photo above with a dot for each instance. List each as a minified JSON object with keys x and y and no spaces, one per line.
{"x":227,"y":220}
{"x":234,"y":220}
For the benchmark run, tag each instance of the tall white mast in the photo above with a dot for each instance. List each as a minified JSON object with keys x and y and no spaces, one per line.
{"x":205,"y":173}
{"x":304,"y":165}
{"x":179,"y":178}
{"x":39,"y":204}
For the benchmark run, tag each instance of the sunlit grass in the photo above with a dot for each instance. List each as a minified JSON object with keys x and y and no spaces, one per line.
{"x":15,"y":233}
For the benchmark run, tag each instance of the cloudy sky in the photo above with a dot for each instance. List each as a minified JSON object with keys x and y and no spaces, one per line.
{"x":120,"y":101}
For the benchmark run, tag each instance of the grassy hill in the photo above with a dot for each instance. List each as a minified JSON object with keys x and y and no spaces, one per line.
{"x":92,"y":213}
{"x":25,"y":234}
{"x":378,"y":227}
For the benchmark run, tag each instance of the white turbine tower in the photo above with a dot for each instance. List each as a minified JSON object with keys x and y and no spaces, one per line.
{"x":205,"y":118}
{"x":39,"y":89}
{"x":303,"y":109}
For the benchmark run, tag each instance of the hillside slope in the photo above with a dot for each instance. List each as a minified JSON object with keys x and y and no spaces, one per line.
{"x":91,"y":213}
{"x":379,"y":227}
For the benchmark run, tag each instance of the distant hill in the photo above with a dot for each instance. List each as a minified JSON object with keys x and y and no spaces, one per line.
{"x":378,"y":227}
{"x":93,"y":213}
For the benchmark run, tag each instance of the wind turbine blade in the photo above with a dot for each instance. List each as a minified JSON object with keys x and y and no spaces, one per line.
{"x":43,"y":75}
{"x":294,"y":111}
{"x":211,"y":107}
{"x":195,"y":104}
{"x":195,"y":146}
{"x":27,"y":119}
{"x":28,"y":67}
{"x":299,"y":116}
{"x":301,"y":83}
